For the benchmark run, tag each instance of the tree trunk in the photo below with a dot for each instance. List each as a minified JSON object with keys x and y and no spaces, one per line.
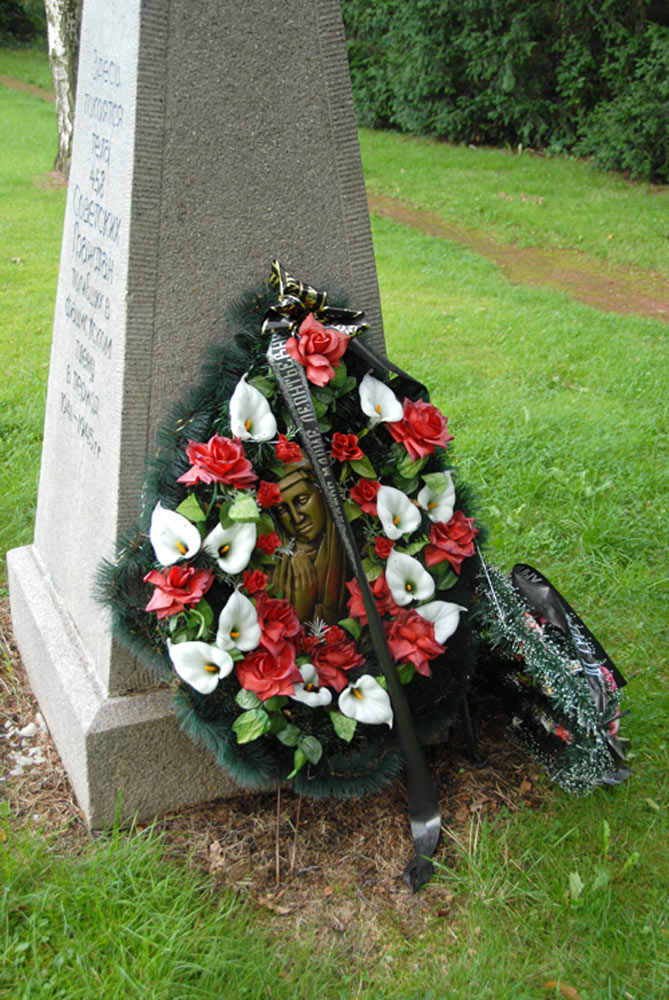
{"x":63,"y":18}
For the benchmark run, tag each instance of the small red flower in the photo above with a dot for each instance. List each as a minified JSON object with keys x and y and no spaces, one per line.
{"x":268,"y":543}
{"x":287,"y":451}
{"x":453,"y":541}
{"x":278,"y":622}
{"x":421,"y":429}
{"x":564,"y":734}
{"x":254,"y":581}
{"x":179,"y":587}
{"x":268,"y":494}
{"x":345,"y":447}
{"x":383,"y":546}
{"x":318,"y":348}
{"x":333,"y":657}
{"x":411,"y":638}
{"x":219,"y":460}
{"x":364,"y":493}
{"x":382,"y":598}
{"x":268,"y":675}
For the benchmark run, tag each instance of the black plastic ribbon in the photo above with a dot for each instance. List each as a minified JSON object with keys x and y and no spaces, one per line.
{"x":423,"y":806}
{"x":544,"y":599}
{"x":297,"y":298}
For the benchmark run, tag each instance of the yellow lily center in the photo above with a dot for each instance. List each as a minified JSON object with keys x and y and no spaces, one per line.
{"x":181,"y":547}
{"x":357,"y":693}
{"x":396,"y":520}
{"x":234,"y":635}
{"x":432,"y":505}
{"x":211,"y":668}
{"x":378,"y":408}
{"x":309,"y":687}
{"x":224,"y":549}
{"x":249,"y":424}
{"x":409,"y":587}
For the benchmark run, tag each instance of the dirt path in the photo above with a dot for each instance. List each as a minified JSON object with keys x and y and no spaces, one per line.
{"x":606,"y":286}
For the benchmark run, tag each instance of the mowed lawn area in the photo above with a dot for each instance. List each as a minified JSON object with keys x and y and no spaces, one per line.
{"x":559,"y":413}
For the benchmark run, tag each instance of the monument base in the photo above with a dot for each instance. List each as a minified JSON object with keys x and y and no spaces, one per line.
{"x":129,"y":746}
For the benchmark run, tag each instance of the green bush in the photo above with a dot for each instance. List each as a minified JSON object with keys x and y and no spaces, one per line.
{"x":509,"y":72}
{"x":22,"y":22}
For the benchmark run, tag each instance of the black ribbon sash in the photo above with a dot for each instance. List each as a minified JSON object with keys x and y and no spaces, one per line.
{"x":292,"y":381}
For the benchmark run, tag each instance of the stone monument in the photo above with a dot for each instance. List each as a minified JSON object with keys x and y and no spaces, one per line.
{"x":209,"y":138}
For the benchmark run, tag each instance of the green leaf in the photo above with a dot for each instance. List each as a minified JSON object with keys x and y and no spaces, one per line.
{"x":349,"y":384}
{"x":247,"y":699}
{"x":352,"y":510}
{"x":343,"y":726}
{"x":443,"y":575}
{"x":352,"y":626}
{"x":408,"y":468}
{"x":405,"y":672}
{"x":250,"y":725}
{"x":244,"y":509}
{"x":200,"y":617}
{"x":265,"y":525}
{"x":320,"y":408}
{"x":436,"y":482}
{"x":289,"y":735}
{"x":299,"y":760}
{"x":266,"y":386}
{"x":381,"y":681}
{"x":407,"y":486}
{"x":340,"y":375}
{"x":576,"y":885}
{"x":323,"y":393}
{"x":373,"y":570}
{"x":324,"y":425}
{"x":363,"y":467}
{"x":412,"y":548}
{"x":190,"y":508}
{"x":311,"y":748}
{"x":275,"y":703}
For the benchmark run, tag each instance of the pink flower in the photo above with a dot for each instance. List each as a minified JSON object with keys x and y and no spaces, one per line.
{"x":268,"y":675}
{"x":219,"y":460}
{"x":453,"y":541}
{"x":318,"y":349}
{"x":345,"y":447}
{"x":178,"y":588}
{"x":268,"y":494}
{"x":287,"y":451}
{"x":411,"y":638}
{"x":364,"y":493}
{"x":421,"y":430}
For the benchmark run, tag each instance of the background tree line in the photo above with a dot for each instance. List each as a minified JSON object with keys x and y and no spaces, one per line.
{"x":586,"y":77}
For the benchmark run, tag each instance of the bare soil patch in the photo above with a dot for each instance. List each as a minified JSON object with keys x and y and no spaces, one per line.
{"x":595,"y":283}
{"x":302,"y":860}
{"x":27,"y":88}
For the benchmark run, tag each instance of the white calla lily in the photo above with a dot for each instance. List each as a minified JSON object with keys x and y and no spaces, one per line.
{"x":379,"y":402}
{"x":397,"y":513}
{"x":251,"y":418}
{"x":199,"y":664}
{"x":308,"y":692}
{"x":439,"y":504}
{"x":231,"y":547}
{"x":444,"y":616}
{"x":407,"y":579}
{"x":238,"y":626}
{"x":172,"y":536}
{"x":366,"y":701}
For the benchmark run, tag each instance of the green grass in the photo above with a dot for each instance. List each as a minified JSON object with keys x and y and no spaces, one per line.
{"x":29,"y":65}
{"x":559,"y":417}
{"x":526,"y":199}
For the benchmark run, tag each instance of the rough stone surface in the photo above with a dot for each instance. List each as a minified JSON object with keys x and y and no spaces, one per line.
{"x":209,"y":139}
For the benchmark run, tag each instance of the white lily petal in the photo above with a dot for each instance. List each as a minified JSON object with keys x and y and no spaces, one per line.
{"x":439,"y":505}
{"x":172,"y":536}
{"x":199,"y":664}
{"x":238,"y":624}
{"x":444,"y":616}
{"x":251,"y":418}
{"x":397,"y":513}
{"x":378,"y":401}
{"x":366,"y":701}
{"x":231,"y":547}
{"x":407,"y":579}
{"x":308,"y":692}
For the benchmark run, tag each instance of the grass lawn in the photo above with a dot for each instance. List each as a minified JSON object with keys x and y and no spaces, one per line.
{"x":559,"y":417}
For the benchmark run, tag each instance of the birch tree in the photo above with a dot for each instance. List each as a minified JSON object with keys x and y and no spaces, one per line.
{"x":63,"y":18}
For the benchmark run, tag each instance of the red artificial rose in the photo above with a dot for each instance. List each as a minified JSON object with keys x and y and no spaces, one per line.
{"x":382,"y":598}
{"x":278,"y":622}
{"x":333,"y":657}
{"x":453,"y":541}
{"x":268,"y":494}
{"x":564,"y":734}
{"x":268,"y":675}
{"x":254,"y":581}
{"x":411,"y":638}
{"x":345,"y":447}
{"x":318,"y":349}
{"x":383,"y":546}
{"x":219,"y":460}
{"x":268,"y":543}
{"x":364,"y":493}
{"x":421,"y":429}
{"x":179,"y":587}
{"x":287,"y":451}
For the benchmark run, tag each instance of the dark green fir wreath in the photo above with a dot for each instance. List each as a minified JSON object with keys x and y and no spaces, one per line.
{"x":235,"y":587}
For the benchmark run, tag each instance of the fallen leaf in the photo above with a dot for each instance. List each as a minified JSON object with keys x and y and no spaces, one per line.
{"x":328,"y":890}
{"x":280,"y":911}
{"x":567,"y":991}
{"x":216,"y":858}
{"x":525,"y":786}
